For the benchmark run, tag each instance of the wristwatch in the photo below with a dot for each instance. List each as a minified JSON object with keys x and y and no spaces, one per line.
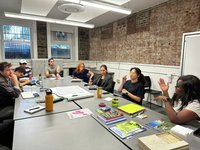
{"x":167,"y":99}
{"x":126,"y":93}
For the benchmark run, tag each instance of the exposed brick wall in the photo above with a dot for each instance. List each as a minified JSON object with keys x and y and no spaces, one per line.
{"x":42,"y":39}
{"x":152,"y":36}
{"x":83,"y":43}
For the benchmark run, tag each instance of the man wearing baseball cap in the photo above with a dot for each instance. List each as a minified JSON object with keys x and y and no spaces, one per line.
{"x":23,"y":64}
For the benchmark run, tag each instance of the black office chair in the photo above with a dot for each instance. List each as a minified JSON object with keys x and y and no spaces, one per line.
{"x":113,"y":87}
{"x":149,"y":91}
{"x":2,"y":147}
{"x":71,"y":70}
{"x":6,"y":113}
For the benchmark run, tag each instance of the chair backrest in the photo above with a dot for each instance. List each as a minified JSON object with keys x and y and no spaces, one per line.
{"x":113,"y":86}
{"x":71,"y":70}
{"x":147,"y":82}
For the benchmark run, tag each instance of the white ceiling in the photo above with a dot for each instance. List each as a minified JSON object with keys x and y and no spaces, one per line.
{"x":92,"y":15}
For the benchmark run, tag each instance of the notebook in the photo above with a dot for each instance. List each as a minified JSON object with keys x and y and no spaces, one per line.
{"x":29,"y":94}
{"x":127,"y":129}
{"x":131,"y":108}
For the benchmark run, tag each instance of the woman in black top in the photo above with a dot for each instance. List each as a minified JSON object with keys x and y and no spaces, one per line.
{"x":104,"y":80}
{"x":82,"y":73}
{"x":133,"y":89}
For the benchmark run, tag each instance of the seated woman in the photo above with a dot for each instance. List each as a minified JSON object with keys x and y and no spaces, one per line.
{"x":81,"y":73}
{"x":52,"y":71}
{"x":187,"y":97}
{"x":104,"y":80}
{"x":133,"y":89}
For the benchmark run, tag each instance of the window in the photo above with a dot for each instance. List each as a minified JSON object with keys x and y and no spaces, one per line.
{"x":61,"y":45}
{"x":16,"y":42}
{"x":60,"y":51}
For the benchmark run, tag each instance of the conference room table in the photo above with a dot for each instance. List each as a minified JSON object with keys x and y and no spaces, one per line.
{"x":57,"y":131}
{"x":22,"y":104}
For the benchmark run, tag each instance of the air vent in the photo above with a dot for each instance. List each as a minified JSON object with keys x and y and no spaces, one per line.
{"x":71,"y":8}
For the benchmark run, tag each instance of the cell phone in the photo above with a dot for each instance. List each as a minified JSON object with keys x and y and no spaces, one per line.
{"x":36,"y":95}
{"x":197,"y":132}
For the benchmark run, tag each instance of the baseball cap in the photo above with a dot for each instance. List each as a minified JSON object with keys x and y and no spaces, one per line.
{"x":23,"y":61}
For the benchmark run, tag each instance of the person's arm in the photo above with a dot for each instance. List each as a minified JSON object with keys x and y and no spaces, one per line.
{"x":95,"y":80}
{"x":30,"y":72}
{"x":122,"y":84}
{"x":109,"y":84}
{"x":48,"y":75}
{"x":132,"y":96}
{"x":10,"y":90}
{"x":14,"y":80}
{"x":57,"y":71}
{"x":182,"y":117}
{"x":25,"y":82}
{"x":91,"y":75}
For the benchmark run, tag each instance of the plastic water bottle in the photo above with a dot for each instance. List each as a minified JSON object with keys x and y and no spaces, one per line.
{"x":40,"y":79}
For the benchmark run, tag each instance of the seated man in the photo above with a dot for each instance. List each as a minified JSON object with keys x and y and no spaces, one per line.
{"x":9,"y":85}
{"x":27,"y":70}
{"x":52,"y":71}
{"x":19,"y":72}
{"x":9,"y":90}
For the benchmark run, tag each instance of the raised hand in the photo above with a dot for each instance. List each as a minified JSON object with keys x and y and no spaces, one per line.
{"x":124,"y":79}
{"x":164,"y":87}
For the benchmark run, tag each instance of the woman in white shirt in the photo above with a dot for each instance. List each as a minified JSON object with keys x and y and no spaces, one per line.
{"x":187,"y":92}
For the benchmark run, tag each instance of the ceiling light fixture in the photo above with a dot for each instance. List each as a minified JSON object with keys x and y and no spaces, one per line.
{"x":102,"y":5}
{"x":71,"y":8}
{"x":50,"y":20}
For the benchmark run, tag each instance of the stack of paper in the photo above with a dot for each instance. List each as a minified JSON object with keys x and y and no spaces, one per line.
{"x":131,"y":108}
{"x":79,"y":113}
{"x":182,"y":132}
{"x":110,"y":117}
{"x":127,"y":129}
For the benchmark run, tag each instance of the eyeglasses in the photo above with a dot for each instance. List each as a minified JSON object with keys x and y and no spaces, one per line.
{"x":177,"y":86}
{"x":22,"y":63}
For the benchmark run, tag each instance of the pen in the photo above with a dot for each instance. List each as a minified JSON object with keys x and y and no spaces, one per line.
{"x":34,"y":108}
{"x":140,"y":126}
